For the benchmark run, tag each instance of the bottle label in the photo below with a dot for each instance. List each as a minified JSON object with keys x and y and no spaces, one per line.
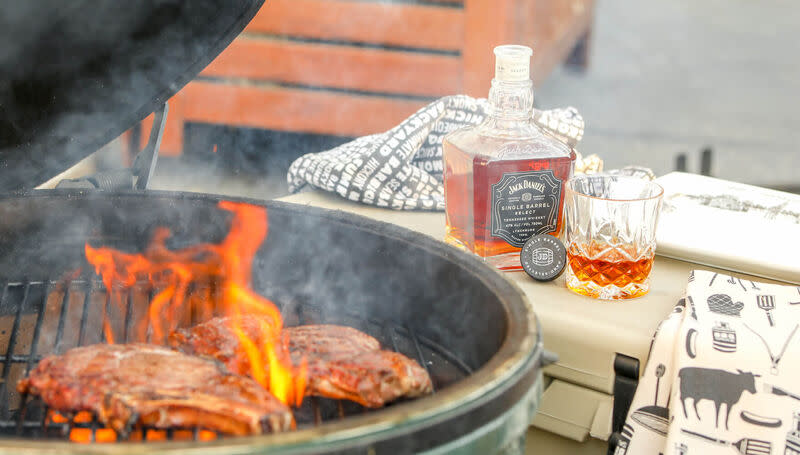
{"x":525,"y":204}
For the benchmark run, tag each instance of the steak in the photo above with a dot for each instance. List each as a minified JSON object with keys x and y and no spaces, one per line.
{"x":329,"y":340}
{"x":343,"y":363}
{"x":371,"y":379}
{"x":125,"y":384}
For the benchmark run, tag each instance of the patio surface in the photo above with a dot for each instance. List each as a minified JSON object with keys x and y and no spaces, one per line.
{"x":672,"y":77}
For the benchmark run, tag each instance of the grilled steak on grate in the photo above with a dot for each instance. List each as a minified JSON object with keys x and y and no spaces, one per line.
{"x":128,"y":383}
{"x":343,"y":363}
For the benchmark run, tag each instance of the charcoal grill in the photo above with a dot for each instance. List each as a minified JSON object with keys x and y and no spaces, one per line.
{"x":73,"y":76}
{"x":399,"y":286}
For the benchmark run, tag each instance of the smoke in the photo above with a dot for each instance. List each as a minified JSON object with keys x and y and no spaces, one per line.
{"x":232,"y":161}
{"x":377,"y":278}
{"x":75,"y":75}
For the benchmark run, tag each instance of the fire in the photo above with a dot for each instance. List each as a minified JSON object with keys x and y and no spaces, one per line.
{"x":84,"y":435}
{"x":224,"y":267}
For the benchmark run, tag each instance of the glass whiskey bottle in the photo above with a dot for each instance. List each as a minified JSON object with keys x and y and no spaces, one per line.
{"x":503,"y":179}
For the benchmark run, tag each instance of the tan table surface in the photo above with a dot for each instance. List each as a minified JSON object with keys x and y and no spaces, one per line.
{"x":584,"y":332}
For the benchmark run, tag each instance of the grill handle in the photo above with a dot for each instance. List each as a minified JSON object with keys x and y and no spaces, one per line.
{"x":145,"y":163}
{"x":548,"y":358}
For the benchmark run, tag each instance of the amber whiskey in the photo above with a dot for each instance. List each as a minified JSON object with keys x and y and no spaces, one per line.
{"x":599,"y":265}
{"x":503,"y":179}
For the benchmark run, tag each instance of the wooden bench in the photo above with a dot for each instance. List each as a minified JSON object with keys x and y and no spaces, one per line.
{"x":350,"y":68}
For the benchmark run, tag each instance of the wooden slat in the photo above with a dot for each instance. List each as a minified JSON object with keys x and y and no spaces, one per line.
{"x":405,"y":25}
{"x":346,"y":67}
{"x":277,"y":108}
{"x":550,"y":27}
{"x":488,"y":24}
{"x":560,"y":24}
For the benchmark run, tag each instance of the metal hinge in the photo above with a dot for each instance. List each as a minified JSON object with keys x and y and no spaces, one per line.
{"x":138,"y":176}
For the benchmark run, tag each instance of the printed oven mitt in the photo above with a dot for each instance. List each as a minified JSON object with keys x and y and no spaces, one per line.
{"x":402,"y":168}
{"x":723,"y":375}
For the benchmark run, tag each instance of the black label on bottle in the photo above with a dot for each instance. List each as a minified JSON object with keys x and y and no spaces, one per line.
{"x":525,"y":204}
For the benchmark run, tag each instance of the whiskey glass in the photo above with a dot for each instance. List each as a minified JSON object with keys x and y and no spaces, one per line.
{"x":610,"y":234}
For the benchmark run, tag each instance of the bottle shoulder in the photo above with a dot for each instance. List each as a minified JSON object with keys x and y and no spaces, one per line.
{"x":476,"y":141}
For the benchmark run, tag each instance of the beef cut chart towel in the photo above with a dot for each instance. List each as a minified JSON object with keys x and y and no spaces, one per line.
{"x":402,"y":168}
{"x":723,"y":376}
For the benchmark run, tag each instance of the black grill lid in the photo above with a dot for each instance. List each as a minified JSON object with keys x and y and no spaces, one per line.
{"x":76,"y":74}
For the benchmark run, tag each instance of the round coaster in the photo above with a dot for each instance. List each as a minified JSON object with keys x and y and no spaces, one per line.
{"x":543,"y":257}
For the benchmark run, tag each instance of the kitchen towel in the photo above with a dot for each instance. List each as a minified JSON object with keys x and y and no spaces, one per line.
{"x":722,"y":375}
{"x":402,"y":168}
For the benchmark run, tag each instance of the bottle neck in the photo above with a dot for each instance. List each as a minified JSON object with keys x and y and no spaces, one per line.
{"x":511,"y":101}
{"x":510,"y":109}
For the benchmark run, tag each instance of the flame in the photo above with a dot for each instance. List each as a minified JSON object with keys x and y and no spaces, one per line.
{"x":228,"y":267}
{"x":83,"y":435}
{"x":156,"y":435}
{"x":58,"y":418}
{"x":83,"y":417}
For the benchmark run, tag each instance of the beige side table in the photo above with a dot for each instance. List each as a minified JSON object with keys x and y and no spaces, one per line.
{"x":587,"y":334}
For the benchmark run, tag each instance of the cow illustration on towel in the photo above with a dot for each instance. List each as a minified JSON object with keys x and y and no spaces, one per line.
{"x":719,"y":386}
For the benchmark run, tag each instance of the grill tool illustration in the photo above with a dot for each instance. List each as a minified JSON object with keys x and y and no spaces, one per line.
{"x":723,"y":304}
{"x":622,"y":447}
{"x":724,"y":337}
{"x":624,"y":440}
{"x":744,"y":446}
{"x":761,"y":421}
{"x":773,"y":358}
{"x":793,"y":437}
{"x":718,"y":386}
{"x":693,"y":314}
{"x":660,"y":370}
{"x":730,"y":280}
{"x":780,"y":392}
{"x":655,"y":417}
{"x":767,"y":303}
{"x":691,"y":339}
{"x":733,"y":280}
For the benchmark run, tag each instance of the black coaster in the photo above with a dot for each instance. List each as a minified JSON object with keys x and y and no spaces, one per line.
{"x":543,"y":257}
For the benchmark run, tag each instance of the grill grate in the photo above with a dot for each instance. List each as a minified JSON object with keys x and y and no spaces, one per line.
{"x":39,"y":318}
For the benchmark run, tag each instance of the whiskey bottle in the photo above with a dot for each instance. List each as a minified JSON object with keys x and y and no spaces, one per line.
{"x":503,"y":179}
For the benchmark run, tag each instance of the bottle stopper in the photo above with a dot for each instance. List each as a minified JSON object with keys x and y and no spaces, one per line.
{"x":543,"y":257}
{"x":512,"y":63}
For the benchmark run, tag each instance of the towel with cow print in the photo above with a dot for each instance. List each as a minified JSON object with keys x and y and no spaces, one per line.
{"x":723,"y":375}
{"x":402,"y":168}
